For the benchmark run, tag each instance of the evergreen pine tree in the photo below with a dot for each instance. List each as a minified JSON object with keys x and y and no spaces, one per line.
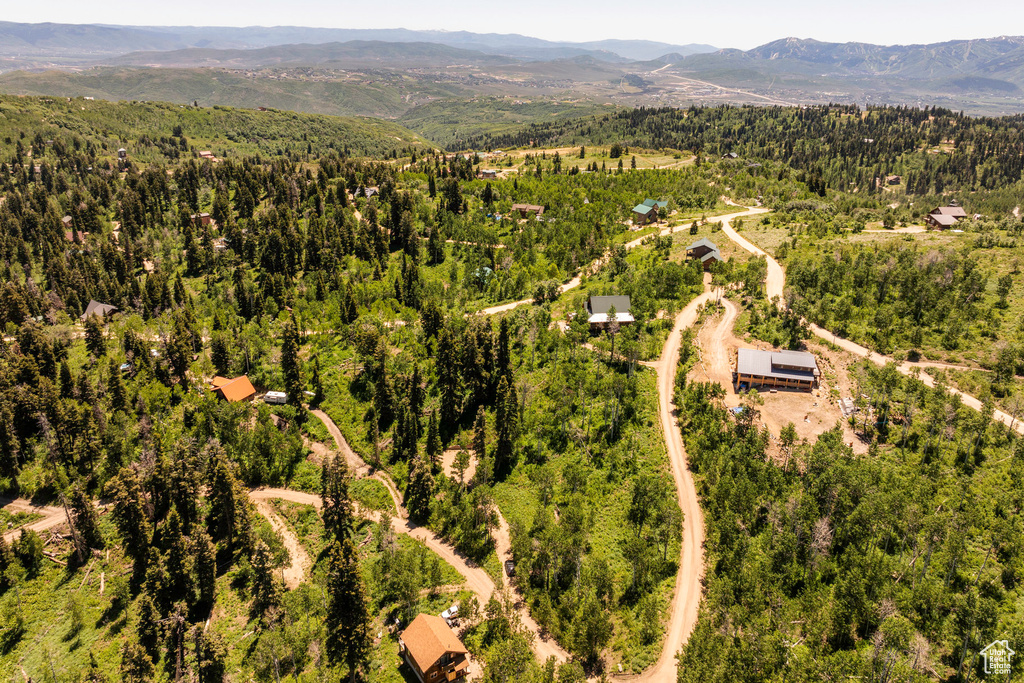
{"x":348,"y":617}
{"x":419,"y":491}
{"x":204,"y":569}
{"x":95,"y":342}
{"x":434,"y":447}
{"x":211,"y":655}
{"x":136,"y":664}
{"x":290,"y":362}
{"x":86,"y":524}
{"x":337,"y":506}
{"x":10,"y":448}
{"x":448,"y":380}
{"x":265,"y":587}
{"x":506,"y":424}
{"x":148,"y":628}
{"x":116,"y":389}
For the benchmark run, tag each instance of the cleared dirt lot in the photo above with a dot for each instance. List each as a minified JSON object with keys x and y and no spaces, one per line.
{"x":812,"y":413}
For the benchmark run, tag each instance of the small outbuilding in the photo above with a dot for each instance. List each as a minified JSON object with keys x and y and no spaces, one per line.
{"x":202,"y":219}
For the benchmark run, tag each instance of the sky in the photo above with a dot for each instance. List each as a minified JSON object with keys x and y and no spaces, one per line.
{"x":730,"y":23}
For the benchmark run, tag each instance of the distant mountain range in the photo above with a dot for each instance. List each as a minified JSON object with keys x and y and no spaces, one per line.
{"x":27,"y":44}
{"x":999,"y":58}
{"x":393,"y":72}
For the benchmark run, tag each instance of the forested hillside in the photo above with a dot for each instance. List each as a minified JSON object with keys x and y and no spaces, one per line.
{"x":834,"y":147}
{"x":447,"y":406}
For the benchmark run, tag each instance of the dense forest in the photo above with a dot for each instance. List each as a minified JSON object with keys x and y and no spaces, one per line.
{"x":833,"y":147}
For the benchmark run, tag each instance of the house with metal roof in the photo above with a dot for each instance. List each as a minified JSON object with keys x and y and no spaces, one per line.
{"x":945,"y":216}
{"x":705,"y":251}
{"x":647,"y":212}
{"x":599,"y":309}
{"x":775,"y":369}
{"x":433,"y":651}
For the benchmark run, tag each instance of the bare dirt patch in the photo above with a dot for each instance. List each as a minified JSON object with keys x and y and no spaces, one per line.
{"x":448,"y":464}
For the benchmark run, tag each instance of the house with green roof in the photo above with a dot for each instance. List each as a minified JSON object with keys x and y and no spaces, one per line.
{"x":647,"y":212}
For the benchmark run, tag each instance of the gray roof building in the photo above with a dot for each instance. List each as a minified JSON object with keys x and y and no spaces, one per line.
{"x":100,"y":309}
{"x":792,"y":369}
{"x":598,"y":307}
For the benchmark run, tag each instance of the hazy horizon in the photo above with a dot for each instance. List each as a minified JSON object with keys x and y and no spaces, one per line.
{"x":874,"y":21}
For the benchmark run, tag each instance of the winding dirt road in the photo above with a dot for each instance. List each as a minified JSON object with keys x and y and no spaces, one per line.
{"x":52,"y":516}
{"x":774,"y":286}
{"x":477,"y":580}
{"x":575,"y":282}
{"x":687,"y":594}
{"x":357,"y":467}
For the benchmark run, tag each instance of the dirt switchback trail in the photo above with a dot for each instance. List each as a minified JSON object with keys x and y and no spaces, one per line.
{"x":776,"y":282}
{"x":357,"y":467}
{"x":477,"y":580}
{"x":300,"y":562}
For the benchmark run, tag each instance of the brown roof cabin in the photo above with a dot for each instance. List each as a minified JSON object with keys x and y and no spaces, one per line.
{"x":893,"y":180}
{"x":201,"y":218}
{"x":706,"y":251}
{"x":233,"y":390}
{"x":526,"y":209}
{"x":67,"y":221}
{"x":945,"y":216}
{"x":432,"y":650}
{"x":487,"y":174}
{"x":97,"y":308}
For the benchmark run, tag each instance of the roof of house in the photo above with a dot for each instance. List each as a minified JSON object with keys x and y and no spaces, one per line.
{"x":943,"y":219}
{"x":97,"y":308}
{"x":702,"y":242}
{"x":603,"y":304}
{"x":713,"y":254}
{"x":767,"y":364}
{"x":218,"y":381}
{"x":653,"y":202}
{"x":428,"y":638}
{"x":643,"y":209}
{"x":955,"y":211}
{"x":238,"y":389}
{"x":528,"y":207}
